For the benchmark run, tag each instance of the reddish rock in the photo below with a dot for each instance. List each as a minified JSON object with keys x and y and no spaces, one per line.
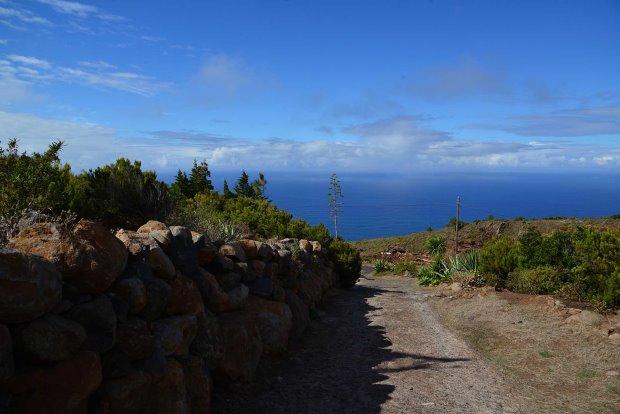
{"x":127,"y":395}
{"x":175,"y":334}
{"x":198,"y":238}
{"x":134,"y":338}
{"x":62,"y":388}
{"x":274,"y":321}
{"x":152,"y":225}
{"x":234,"y":251}
{"x":265,"y":251}
{"x":228,"y":280}
{"x":168,"y":394}
{"x":161,"y":264}
{"x":184,"y":297}
{"x":300,"y":314}
{"x":29,"y":287}
{"x":6,"y":354}
{"x":221,"y":264}
{"x":206,"y":253}
{"x":249,"y":248}
{"x":214,"y":298}
{"x":133,"y":292}
{"x":138,"y":244}
{"x":208,"y":343}
{"x":258,"y":267}
{"x":157,"y":295}
{"x":198,"y":384}
{"x":51,"y":338}
{"x":158,"y":231}
{"x":311,"y":287}
{"x":242,"y":344}
{"x":90,"y":258}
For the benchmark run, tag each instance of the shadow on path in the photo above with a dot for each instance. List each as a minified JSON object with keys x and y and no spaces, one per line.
{"x":332,"y":369}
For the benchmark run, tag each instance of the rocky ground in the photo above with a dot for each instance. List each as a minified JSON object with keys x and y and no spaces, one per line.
{"x":389,"y":346}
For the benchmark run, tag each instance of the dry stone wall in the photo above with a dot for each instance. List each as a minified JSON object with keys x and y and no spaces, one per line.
{"x":145,"y":321}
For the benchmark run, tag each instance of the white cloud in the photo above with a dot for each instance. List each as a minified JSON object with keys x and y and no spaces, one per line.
{"x":397,"y":144}
{"x":80,"y":10}
{"x":4,"y":42}
{"x":30,"y":61}
{"x":16,"y":18}
{"x":93,"y":74}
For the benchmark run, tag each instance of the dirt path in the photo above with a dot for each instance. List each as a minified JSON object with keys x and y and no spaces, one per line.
{"x":378,"y":348}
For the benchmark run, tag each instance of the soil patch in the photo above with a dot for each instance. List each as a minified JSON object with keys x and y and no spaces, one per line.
{"x":558,"y":366}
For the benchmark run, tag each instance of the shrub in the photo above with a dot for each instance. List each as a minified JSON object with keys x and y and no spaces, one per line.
{"x":347,"y":261}
{"x":402,"y":267}
{"x":432,"y":274}
{"x":381,"y":266}
{"x":120,"y":195}
{"x":539,"y":280}
{"x":436,"y":245}
{"x":497,"y":259}
{"x":32,"y":182}
{"x":598,"y":271}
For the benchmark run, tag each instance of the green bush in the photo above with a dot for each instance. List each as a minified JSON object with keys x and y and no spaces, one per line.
{"x":402,"y":267}
{"x":436,"y":245}
{"x":497,"y":259}
{"x":381,"y":266}
{"x":432,"y":274}
{"x":32,"y":182}
{"x":536,"y":281}
{"x":347,"y":261}
{"x":598,"y":270}
{"x":120,"y":195}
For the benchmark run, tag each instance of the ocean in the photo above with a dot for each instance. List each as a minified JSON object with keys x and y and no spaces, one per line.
{"x":381,"y":206}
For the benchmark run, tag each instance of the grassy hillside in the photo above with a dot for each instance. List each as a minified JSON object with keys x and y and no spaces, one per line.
{"x":475,"y":234}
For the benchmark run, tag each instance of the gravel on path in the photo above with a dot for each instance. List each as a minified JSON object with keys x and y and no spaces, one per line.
{"x":378,"y":348}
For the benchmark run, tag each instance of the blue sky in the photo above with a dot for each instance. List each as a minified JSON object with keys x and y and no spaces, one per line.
{"x":375,"y":85}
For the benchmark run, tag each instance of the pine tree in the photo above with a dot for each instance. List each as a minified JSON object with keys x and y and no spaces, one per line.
{"x":226,"y":192}
{"x":182,"y":184}
{"x":243,"y":187}
{"x":200,"y":178}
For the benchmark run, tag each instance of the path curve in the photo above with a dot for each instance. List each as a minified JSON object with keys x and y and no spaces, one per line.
{"x":378,"y":348}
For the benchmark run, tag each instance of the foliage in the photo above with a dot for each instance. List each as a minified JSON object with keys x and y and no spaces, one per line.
{"x":497,"y":259}
{"x":198,"y":181}
{"x":381,"y":266}
{"x":34,"y":181}
{"x":120,"y":194}
{"x":406,"y":266}
{"x":334,"y":194}
{"x":598,"y":271}
{"x":535,"y":281}
{"x":436,"y":245}
{"x":432,"y":274}
{"x":254,"y":190}
{"x":347,"y":261}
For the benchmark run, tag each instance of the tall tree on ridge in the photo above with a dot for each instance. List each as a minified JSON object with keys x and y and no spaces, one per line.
{"x":334,"y":194}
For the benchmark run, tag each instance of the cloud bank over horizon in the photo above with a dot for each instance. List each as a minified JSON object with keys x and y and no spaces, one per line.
{"x":399,"y":145}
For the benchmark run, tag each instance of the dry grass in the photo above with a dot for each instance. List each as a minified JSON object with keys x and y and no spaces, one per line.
{"x":475,"y":234}
{"x":558,"y":367}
